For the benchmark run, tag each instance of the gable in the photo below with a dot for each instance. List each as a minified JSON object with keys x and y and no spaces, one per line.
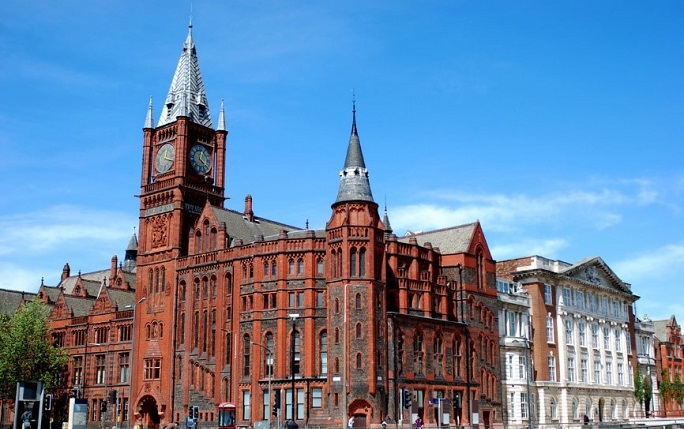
{"x":595,"y":272}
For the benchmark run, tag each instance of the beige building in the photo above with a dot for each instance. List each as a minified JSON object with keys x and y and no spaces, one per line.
{"x":582,"y":339}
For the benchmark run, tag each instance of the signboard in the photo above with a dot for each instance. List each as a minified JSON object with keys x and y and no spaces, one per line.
{"x":78,"y":413}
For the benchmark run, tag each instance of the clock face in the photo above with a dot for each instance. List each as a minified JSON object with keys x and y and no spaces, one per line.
{"x":200,"y":159}
{"x":165,"y":157}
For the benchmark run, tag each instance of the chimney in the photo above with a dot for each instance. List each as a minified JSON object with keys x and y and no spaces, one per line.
{"x":249,"y":213}
{"x":115,"y":263}
{"x":66,"y":271}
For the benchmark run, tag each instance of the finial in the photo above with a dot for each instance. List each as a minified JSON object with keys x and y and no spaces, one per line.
{"x":190,"y":25}
{"x":354,"y":132}
{"x":307,"y":224}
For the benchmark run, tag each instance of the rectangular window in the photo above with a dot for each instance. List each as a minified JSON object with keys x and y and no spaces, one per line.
{"x":567,"y":297}
{"x":592,"y":303}
{"x":584,"y":370}
{"x":618,"y":340}
{"x":522,"y":367}
{"x":568,"y":331}
{"x":609,"y":372}
{"x":246,"y":405}
{"x":512,"y":406}
{"x":316,"y":397}
{"x":548,"y":298}
{"x":549,"y":329}
{"x":152,"y":369}
{"x":523,"y":405}
{"x":509,"y":366}
{"x":582,"y":334}
{"x":594,"y":336}
{"x":100,"y":368}
{"x":579,"y":298}
{"x":571,"y":369}
{"x":124,"y":369}
{"x":597,"y":372}
{"x":552,"y":368}
{"x":606,"y":338}
{"x":621,"y":374}
{"x":78,"y":370}
{"x":319,"y":299}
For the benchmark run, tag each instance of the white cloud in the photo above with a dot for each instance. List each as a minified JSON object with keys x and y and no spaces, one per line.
{"x":52,"y":227}
{"x":545,"y":247}
{"x":653,"y":265}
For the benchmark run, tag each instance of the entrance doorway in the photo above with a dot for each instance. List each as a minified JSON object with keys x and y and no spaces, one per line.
{"x":149,"y":413}
{"x":602,"y":404}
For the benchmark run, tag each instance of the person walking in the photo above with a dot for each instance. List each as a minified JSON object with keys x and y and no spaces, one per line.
{"x":350,"y":423}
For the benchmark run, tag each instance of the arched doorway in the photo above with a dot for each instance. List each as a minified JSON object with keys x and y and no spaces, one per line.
{"x":149,"y":413}
{"x":362,"y":412}
{"x":602,"y":404}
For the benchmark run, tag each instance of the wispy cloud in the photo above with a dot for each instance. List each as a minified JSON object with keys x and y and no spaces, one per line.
{"x":653,"y":264}
{"x":597,"y":209}
{"x":52,"y":227}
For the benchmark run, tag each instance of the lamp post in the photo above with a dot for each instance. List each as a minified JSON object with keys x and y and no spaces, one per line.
{"x":467,"y":342}
{"x":294,"y":317}
{"x":269,"y":368}
{"x":132,"y":364}
{"x":105,"y":377}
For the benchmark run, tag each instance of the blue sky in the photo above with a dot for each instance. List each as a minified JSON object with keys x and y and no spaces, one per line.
{"x":559,"y":125}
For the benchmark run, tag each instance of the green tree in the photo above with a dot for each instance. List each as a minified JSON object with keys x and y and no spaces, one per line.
{"x":26,"y":351}
{"x":639,"y":389}
{"x":678,"y":389}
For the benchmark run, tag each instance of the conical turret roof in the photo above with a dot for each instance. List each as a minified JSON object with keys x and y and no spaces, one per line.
{"x":354,"y":183}
{"x":187,"y":96}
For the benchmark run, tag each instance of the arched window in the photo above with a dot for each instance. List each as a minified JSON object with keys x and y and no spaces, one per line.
{"x":359,"y":361}
{"x":575,"y":408}
{"x":300,"y":267}
{"x":337,"y":365}
{"x":418,"y":353}
{"x":613,"y":409}
{"x":352,"y":262}
{"x":362,"y":262}
{"x":268,"y":370}
{"x":246,"y":350}
{"x":323,"y":353}
{"x":337,"y":306}
{"x":297,"y":355}
{"x":214,"y":244}
{"x":334,"y":264}
{"x":163,"y":279}
{"x":156,"y":280}
{"x":339,"y":262}
{"x":274,"y":269}
{"x":480,"y":269}
{"x":553,"y":409}
{"x":358,"y":301}
{"x":207,"y":233}
{"x":337,"y":336}
{"x":319,"y":266}
{"x":358,"y":330}
{"x":198,"y":242}
{"x":229,"y":284}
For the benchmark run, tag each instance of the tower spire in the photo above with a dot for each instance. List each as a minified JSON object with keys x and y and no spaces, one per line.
{"x":187,"y":96}
{"x":354,"y":183}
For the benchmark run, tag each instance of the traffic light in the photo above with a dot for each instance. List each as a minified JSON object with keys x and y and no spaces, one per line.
{"x":47,"y":402}
{"x":194,"y":412}
{"x":276,"y":402}
{"x":407,"y":398}
{"x":103,"y":406}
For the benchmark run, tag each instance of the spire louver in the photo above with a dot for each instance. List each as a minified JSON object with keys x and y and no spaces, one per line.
{"x":354,"y":183}
{"x":187,"y":96}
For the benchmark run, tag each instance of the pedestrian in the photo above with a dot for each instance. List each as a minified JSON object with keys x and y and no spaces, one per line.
{"x":26,"y":419}
{"x":350,"y":423}
{"x":586,"y":419}
{"x":384,"y":423}
{"x":419,"y":423}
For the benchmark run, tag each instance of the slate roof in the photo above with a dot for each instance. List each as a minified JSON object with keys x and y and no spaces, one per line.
{"x":10,"y":300}
{"x":452,"y":240}
{"x":187,"y":96}
{"x":354,"y":183}
{"x":241,"y":228}
{"x":92,"y":281}
{"x":52,"y":292}
{"x":79,"y":306}
{"x":121,"y":298}
{"x":660,"y":328}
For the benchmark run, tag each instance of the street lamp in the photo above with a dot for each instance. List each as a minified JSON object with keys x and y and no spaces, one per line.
{"x":132,"y":364}
{"x":294,"y":317}
{"x":269,"y":369}
{"x":105,"y":376}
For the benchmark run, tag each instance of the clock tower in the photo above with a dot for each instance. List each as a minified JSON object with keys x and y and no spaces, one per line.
{"x":183,"y":168}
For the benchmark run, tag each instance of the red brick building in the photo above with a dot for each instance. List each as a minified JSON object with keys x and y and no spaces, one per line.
{"x":216,"y":305}
{"x":350,"y":305}
{"x":669,"y":356}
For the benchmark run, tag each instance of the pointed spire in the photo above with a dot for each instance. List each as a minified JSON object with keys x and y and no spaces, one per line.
{"x":149,"y":123}
{"x":187,"y":96}
{"x":131,"y":253}
{"x":385,"y":220}
{"x":222,"y":119}
{"x":354,"y":183}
